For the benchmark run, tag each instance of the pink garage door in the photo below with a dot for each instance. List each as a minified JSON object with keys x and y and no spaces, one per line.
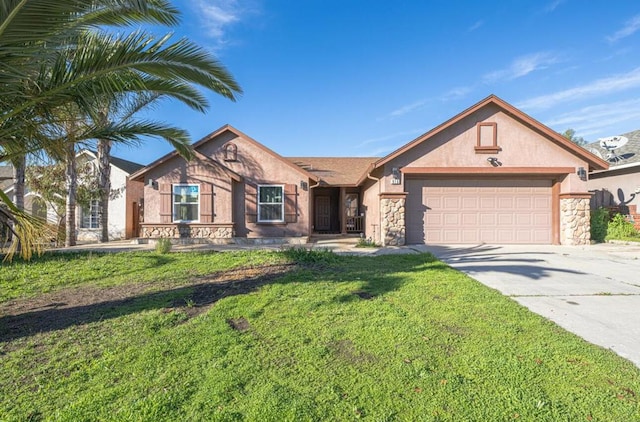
{"x":478,"y":211}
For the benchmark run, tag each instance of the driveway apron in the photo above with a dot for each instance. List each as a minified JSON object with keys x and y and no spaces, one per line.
{"x":592,"y":291}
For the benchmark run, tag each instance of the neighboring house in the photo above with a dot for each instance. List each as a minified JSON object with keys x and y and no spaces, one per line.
{"x":121,"y":203}
{"x":123,"y":210}
{"x":619,"y":186}
{"x":491,"y":174}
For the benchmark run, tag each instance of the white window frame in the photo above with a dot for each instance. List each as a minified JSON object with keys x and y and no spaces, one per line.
{"x":259,"y":204}
{"x":92,"y":212}
{"x":174,"y":203}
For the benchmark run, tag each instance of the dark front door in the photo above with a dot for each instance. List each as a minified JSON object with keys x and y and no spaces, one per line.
{"x":323,"y":213}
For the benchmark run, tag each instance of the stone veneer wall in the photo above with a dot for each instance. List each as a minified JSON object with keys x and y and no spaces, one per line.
{"x":575,"y":224}
{"x":178,"y":231}
{"x":393,"y":228}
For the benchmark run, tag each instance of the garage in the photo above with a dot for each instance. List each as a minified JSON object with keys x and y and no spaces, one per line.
{"x":478,"y":210}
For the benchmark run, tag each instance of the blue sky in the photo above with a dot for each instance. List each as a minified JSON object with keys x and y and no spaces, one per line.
{"x":361,"y":78}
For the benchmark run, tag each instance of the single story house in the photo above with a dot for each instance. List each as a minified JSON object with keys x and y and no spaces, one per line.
{"x":491,"y":174}
{"x":618,"y":186}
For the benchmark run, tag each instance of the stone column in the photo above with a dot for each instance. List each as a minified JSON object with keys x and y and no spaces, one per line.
{"x":392,"y":212}
{"x":575,"y":224}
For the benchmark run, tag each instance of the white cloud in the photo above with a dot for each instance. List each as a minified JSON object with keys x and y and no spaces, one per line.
{"x":604,"y":86}
{"x":456,"y":93}
{"x":630,"y":27}
{"x":475,"y":26}
{"x":522,"y":66}
{"x":408,"y":108}
{"x":553,"y":6}
{"x":598,"y":119}
{"x":216,"y":16}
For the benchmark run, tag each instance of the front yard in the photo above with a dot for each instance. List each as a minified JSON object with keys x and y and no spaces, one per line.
{"x":287,"y":336}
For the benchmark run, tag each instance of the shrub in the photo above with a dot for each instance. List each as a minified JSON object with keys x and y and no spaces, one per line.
{"x":620,"y":228}
{"x":302,"y":255}
{"x":163,"y":245}
{"x":599,"y":222}
{"x":366,"y":243}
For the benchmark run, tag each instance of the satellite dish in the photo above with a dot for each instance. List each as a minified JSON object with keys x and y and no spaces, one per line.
{"x":611,"y":143}
{"x":595,"y":152}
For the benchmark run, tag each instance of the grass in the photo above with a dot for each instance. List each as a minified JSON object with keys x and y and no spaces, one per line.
{"x":400,"y":337}
{"x":55,"y":271}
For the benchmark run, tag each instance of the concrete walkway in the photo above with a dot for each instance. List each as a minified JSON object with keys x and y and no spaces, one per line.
{"x":592,"y":291}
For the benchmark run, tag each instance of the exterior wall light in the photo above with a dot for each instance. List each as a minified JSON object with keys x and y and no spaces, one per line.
{"x":396,"y":176}
{"x":582,"y":174}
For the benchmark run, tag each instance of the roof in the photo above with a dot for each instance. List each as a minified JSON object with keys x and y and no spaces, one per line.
{"x":595,"y":163}
{"x":128,"y":167}
{"x":626,"y":156}
{"x":335,"y":171}
{"x":214,"y":134}
{"x":6,"y":177}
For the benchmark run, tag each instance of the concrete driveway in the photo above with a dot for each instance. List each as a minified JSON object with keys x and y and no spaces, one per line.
{"x":592,"y":291}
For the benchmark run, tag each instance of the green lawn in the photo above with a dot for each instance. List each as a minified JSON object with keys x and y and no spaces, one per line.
{"x":334,"y":338}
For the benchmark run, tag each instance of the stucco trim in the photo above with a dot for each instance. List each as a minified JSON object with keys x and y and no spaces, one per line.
{"x":555,"y":212}
{"x":393,"y":195}
{"x":595,"y":163}
{"x":581,"y":195}
{"x":195,"y":224}
{"x":488,"y":171}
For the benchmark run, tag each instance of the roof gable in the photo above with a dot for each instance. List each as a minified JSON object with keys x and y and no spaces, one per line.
{"x":127,"y":166}
{"x":595,"y":163}
{"x":211,"y":137}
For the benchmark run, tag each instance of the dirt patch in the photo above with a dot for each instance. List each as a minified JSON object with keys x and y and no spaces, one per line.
{"x":346,"y":350}
{"x":364,"y":295}
{"x":239,"y":324}
{"x":69,"y":307}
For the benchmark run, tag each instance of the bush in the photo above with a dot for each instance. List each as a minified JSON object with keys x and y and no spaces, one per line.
{"x":163,"y":245}
{"x":599,"y":222}
{"x":620,"y":228}
{"x":302,"y":255}
{"x":366,"y":243}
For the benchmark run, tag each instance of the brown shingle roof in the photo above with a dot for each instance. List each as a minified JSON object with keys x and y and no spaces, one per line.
{"x":335,"y":171}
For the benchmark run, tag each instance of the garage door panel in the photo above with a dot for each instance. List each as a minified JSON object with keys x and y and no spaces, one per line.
{"x":478,"y":211}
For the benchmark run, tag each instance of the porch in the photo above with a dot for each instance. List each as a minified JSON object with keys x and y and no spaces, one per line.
{"x":337,"y":210}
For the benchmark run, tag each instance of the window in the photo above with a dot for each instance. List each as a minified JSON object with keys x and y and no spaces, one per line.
{"x":90,"y":215}
{"x":186,"y":203}
{"x":270,"y":203}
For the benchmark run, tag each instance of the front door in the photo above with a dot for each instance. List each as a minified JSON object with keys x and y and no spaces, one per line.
{"x":323,"y":213}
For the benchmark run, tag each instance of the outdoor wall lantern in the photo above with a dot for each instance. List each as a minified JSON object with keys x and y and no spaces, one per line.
{"x":396,"y":176}
{"x":582,"y":174}
{"x":304,"y":185}
{"x":152,"y":184}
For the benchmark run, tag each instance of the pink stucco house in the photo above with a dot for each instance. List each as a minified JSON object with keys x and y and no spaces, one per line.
{"x":491,"y":174}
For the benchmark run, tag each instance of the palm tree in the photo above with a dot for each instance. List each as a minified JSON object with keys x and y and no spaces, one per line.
{"x":52,"y":54}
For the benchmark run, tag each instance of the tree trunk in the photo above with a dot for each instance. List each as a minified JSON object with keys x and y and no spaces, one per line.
{"x":104,"y":184}
{"x":19,"y":166}
{"x":72,"y":187}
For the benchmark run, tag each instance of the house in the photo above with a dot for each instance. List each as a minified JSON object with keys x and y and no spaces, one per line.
{"x":491,"y":174}
{"x":88,"y":217}
{"x":618,"y":186}
{"x":123,"y":209}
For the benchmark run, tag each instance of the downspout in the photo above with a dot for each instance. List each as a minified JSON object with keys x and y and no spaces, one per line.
{"x":377,"y":179}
